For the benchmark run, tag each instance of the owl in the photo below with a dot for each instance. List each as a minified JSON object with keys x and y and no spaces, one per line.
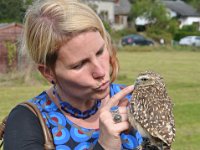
{"x":150,"y":112}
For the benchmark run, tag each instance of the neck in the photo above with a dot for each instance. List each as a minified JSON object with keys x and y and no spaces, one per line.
{"x":76,"y":102}
{"x":73,"y":111}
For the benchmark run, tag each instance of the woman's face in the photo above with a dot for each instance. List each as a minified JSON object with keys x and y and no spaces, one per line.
{"x":83,"y":68}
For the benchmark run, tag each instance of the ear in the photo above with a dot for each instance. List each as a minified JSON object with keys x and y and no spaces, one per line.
{"x":46,"y":72}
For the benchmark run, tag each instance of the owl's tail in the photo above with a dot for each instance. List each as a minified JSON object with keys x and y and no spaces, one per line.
{"x":147,"y":145}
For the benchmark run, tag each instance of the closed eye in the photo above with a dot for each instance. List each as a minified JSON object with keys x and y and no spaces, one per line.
{"x":100,"y":52}
{"x":79,"y":65}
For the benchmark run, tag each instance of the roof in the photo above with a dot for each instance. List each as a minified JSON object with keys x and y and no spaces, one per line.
{"x":3,"y":25}
{"x":8,"y":25}
{"x":122,"y":7}
{"x":10,"y":31}
{"x":181,"y":8}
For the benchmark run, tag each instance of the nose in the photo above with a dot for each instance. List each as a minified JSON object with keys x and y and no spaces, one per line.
{"x":98,"y":71}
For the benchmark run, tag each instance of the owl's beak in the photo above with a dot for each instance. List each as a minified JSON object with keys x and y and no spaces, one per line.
{"x":137,"y":82}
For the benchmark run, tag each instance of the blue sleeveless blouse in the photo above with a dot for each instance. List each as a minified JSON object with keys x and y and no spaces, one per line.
{"x":70,"y":136}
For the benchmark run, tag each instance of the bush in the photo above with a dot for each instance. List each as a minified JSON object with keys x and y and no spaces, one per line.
{"x":180,"y":34}
{"x":157,"y":34}
{"x":137,"y":48}
{"x":107,"y":26}
{"x":186,"y":31}
{"x":116,"y":35}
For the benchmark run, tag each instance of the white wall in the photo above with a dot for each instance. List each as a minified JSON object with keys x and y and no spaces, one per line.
{"x":189,"y":21}
{"x":106,"y":7}
{"x":185,"y":20}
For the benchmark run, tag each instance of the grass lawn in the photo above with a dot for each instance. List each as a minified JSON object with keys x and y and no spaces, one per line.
{"x":181,"y":71}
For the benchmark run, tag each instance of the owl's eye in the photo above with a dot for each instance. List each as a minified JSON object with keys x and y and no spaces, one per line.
{"x":144,"y":79}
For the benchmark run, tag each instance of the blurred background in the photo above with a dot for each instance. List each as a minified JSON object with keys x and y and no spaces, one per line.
{"x":158,"y":35}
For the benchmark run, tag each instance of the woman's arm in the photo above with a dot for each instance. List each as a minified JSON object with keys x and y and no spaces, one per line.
{"x":23,"y":131}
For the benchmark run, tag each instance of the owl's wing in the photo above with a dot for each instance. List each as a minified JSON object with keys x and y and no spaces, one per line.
{"x":155,"y":115}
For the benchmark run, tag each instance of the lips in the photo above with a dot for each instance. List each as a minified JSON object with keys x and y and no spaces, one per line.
{"x":103,"y":86}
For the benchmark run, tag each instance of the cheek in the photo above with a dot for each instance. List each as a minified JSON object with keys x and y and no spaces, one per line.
{"x":105,"y":59}
{"x":70,"y":78}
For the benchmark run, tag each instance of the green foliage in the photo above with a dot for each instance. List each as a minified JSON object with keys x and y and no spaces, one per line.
{"x":13,"y":10}
{"x":116,"y":35}
{"x":156,"y":33}
{"x":161,"y":27}
{"x":157,"y":48}
{"x":152,"y":10}
{"x":107,"y":26}
{"x":137,"y":48}
{"x":190,"y":28}
{"x":11,"y":53}
{"x":172,"y":26}
{"x":186,"y":31}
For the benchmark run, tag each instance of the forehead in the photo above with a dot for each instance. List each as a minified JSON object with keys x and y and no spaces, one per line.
{"x":80,"y":46}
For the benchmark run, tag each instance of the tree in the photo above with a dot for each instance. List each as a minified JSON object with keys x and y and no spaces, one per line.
{"x":13,"y":10}
{"x":160,"y":26}
{"x":152,"y":10}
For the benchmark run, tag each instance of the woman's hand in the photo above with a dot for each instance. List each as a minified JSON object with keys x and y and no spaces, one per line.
{"x":109,"y":130}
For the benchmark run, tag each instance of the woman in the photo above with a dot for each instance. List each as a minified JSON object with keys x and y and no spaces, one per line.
{"x":83,"y":109}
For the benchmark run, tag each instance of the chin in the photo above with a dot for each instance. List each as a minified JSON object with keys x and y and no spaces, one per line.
{"x":103,"y":94}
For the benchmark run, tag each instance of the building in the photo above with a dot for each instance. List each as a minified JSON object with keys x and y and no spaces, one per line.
{"x":185,"y":13}
{"x":115,"y":12}
{"x":9,"y":53}
{"x":104,"y":8}
{"x":122,"y":9}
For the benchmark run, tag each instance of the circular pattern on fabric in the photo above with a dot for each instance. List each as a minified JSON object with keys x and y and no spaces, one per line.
{"x":61,"y":136}
{"x":62,"y":147}
{"x":48,"y":105}
{"x":129,"y":141}
{"x":83,"y":146}
{"x":35,"y":101}
{"x":57,"y":118}
{"x":79,"y":135}
{"x":95,"y":134}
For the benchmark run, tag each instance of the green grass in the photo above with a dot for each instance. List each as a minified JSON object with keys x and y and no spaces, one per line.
{"x":181,"y":71}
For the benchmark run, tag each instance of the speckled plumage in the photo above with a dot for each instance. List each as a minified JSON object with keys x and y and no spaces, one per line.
{"x":151,"y":110}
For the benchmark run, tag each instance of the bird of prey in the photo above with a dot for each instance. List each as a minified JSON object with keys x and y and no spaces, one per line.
{"x":151,"y":112}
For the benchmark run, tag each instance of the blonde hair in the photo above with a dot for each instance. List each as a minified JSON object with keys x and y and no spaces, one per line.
{"x":50,"y":23}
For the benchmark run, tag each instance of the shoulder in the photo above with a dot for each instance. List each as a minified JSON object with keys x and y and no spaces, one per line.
{"x":23,"y":130}
{"x":20,"y":116}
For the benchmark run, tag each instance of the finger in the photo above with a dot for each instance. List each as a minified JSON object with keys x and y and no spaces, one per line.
{"x":117,"y":97}
{"x":122,"y":126}
{"x":123,"y":110}
{"x":123,"y":102}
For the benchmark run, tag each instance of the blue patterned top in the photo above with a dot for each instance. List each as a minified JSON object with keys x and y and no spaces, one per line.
{"x":70,"y":136}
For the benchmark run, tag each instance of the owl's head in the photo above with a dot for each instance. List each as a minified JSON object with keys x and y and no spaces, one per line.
{"x":149,"y":78}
